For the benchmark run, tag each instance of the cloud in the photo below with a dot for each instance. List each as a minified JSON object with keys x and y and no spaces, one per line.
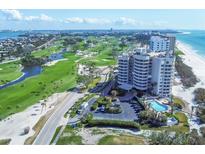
{"x":16,"y":15}
{"x":127,"y":21}
{"x":12,"y":14}
{"x":87,"y":20}
{"x":42,"y":17}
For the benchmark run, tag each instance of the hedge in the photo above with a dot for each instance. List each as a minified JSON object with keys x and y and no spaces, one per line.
{"x":114,"y":123}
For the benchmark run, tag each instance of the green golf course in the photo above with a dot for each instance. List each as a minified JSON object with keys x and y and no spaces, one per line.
{"x":9,"y":71}
{"x":56,"y":78}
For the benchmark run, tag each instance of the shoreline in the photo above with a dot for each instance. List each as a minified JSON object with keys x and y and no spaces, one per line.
{"x":197,"y":63}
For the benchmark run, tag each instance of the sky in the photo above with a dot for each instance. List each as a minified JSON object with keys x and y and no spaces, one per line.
{"x":54,"y":19}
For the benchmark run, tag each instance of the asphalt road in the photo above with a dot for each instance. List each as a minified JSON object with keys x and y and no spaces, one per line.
{"x":46,"y":134}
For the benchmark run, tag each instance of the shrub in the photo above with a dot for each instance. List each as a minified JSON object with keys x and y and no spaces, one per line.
{"x":87,"y":118}
{"x":8,"y":107}
{"x":94,"y":106}
{"x":185,"y":72}
{"x":202,"y":130}
{"x":199,"y":95}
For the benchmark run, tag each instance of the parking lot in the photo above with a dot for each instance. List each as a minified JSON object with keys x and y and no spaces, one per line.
{"x":129,"y":113}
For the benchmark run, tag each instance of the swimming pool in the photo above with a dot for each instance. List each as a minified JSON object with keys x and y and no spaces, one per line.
{"x":157,"y":106}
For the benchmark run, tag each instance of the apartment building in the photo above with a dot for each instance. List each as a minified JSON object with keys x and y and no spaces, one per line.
{"x":147,"y":71}
{"x":162,"y":43}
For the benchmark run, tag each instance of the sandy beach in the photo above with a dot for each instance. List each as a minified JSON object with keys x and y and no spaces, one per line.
{"x":197,"y":63}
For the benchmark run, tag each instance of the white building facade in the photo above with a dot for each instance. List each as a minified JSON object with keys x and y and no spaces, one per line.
{"x":162,"y":43}
{"x":147,"y":71}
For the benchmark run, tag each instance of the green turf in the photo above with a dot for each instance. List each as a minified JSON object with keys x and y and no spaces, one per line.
{"x":20,"y":96}
{"x":177,"y":100}
{"x":47,"y":52}
{"x":104,"y":58}
{"x":181,"y":117}
{"x":9,"y":71}
{"x":121,"y":140}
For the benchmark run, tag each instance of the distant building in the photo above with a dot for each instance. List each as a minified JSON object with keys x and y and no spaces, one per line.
{"x":161,"y":43}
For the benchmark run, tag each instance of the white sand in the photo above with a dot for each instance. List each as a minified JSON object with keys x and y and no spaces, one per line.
{"x":198,"y":67}
{"x":13,"y":126}
{"x":54,"y":62}
{"x":192,"y":59}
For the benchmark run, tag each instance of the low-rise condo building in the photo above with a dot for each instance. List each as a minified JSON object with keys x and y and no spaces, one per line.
{"x":162,"y":43}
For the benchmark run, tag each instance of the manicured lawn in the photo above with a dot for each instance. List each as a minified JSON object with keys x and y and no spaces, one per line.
{"x":9,"y":71}
{"x":102,"y":59}
{"x":69,"y":137}
{"x":47,"y":52}
{"x":121,"y":140}
{"x":177,"y":100}
{"x":56,"y":78}
{"x":181,"y":117}
{"x":104,"y":56}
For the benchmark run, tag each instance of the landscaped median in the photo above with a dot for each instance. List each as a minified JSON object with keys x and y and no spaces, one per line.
{"x":74,"y":109}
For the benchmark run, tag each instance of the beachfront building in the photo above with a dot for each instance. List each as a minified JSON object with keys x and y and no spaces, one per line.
{"x":147,"y":71}
{"x":162,"y":74}
{"x":162,"y":43}
{"x":123,"y":69}
{"x":141,"y":69}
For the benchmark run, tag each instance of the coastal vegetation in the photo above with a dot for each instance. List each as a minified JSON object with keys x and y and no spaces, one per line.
{"x":188,"y":78}
{"x":5,"y":141}
{"x":199,"y":96}
{"x":165,"y":138}
{"x":200,"y":100}
{"x":69,"y":137}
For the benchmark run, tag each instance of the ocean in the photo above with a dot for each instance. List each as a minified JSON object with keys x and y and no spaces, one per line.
{"x":10,"y":34}
{"x":194,"y":39}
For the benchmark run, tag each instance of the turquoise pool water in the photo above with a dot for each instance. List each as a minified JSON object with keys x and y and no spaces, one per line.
{"x":157,"y":106}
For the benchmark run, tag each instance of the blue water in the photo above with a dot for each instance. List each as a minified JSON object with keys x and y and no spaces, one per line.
{"x":157,"y":106}
{"x":28,"y":72}
{"x":10,"y":34}
{"x":32,"y":71}
{"x":196,"y":40}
